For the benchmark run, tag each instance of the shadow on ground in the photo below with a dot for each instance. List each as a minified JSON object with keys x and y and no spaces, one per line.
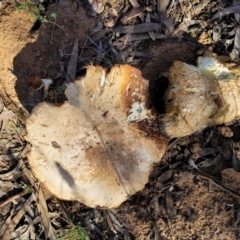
{"x":48,"y":55}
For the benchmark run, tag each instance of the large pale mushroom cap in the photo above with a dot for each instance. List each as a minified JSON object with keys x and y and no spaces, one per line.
{"x":91,"y":149}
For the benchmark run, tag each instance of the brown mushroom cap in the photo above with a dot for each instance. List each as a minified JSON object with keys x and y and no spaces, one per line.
{"x":91,"y":149}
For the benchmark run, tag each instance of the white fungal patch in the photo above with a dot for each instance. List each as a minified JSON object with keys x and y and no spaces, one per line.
{"x":83,"y":82}
{"x":112,"y":78}
{"x":194,"y":90}
{"x":187,"y":110}
{"x":127,"y":88}
{"x":46,"y":83}
{"x":103,"y":78}
{"x":138,"y":112}
{"x":213,"y":69}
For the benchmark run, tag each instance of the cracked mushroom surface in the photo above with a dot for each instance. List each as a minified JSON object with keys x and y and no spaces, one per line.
{"x":91,"y":148}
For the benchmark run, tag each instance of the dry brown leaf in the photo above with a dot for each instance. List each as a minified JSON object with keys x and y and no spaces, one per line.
{"x":237,"y":15}
{"x":3,"y":228}
{"x":132,"y":14}
{"x":236,"y":48}
{"x":4,"y":116}
{"x":109,"y":222}
{"x":115,"y":222}
{"x":5,"y":144}
{"x":26,"y":231}
{"x":207,"y":151}
{"x":151,"y":33}
{"x":12,"y":174}
{"x":72,"y":65}
{"x":183,"y":27}
{"x":134,"y":3}
{"x":8,"y":184}
{"x":15,"y":220}
{"x":169,"y":24}
{"x":205,"y":38}
{"x":130,"y":59}
{"x":1,"y":105}
{"x":41,"y":203}
{"x":12,"y":199}
{"x":212,"y":166}
{"x":96,"y":36}
{"x":10,"y":156}
{"x":162,"y":6}
{"x":166,"y":176}
{"x":235,"y":156}
{"x":138,"y":28}
{"x":192,"y":163}
{"x":14,"y":155}
{"x":170,"y":208}
{"x":42,"y":208}
{"x":226,"y":11}
{"x":155,"y":204}
{"x":136,"y":37}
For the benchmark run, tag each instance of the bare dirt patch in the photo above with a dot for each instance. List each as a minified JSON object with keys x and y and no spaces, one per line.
{"x":163,"y":54}
{"x":14,"y":34}
{"x":47,"y":56}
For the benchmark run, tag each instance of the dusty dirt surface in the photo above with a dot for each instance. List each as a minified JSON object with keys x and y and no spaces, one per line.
{"x":46,"y":57}
{"x":183,"y":199}
{"x":172,"y":50}
{"x":14,"y":34}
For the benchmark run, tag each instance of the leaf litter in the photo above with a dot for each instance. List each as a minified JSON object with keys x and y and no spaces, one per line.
{"x":180,"y":188}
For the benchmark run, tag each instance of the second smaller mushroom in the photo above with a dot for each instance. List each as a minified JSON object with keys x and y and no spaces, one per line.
{"x":201,"y":96}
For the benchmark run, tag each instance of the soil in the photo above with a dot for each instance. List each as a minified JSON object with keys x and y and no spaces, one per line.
{"x":179,"y":201}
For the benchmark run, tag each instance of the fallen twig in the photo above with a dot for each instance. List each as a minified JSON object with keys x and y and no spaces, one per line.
{"x":226,"y":11}
{"x":14,"y":198}
{"x":138,"y":28}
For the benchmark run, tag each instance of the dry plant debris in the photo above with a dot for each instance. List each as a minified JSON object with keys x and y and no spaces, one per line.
{"x":14,"y":208}
{"x":177,"y":201}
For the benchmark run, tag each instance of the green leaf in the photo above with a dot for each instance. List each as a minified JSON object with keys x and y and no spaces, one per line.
{"x":54,"y":15}
{"x":35,"y":17}
{"x":43,"y":19}
{"x":23,"y":6}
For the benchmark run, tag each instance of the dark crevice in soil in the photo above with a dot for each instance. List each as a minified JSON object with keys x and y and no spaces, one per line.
{"x":157,"y":89}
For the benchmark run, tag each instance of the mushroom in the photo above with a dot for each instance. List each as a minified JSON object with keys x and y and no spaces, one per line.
{"x":201,"y":96}
{"x":93,"y":148}
{"x":38,"y":83}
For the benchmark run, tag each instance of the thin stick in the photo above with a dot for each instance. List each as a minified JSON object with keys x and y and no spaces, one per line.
{"x":14,"y":197}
